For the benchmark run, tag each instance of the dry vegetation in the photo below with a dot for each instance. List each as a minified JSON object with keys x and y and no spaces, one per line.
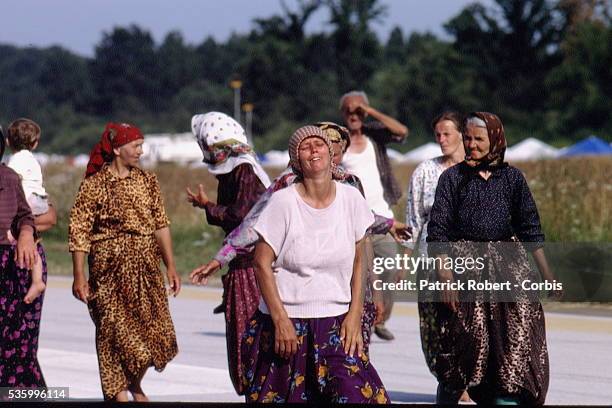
{"x":573,"y":198}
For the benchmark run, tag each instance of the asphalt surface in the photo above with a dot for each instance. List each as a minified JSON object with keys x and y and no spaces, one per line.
{"x":579,"y":346}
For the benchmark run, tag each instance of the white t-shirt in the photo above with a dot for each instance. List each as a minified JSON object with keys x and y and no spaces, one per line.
{"x":315,"y":249}
{"x":363,"y":165}
{"x":25,"y":164}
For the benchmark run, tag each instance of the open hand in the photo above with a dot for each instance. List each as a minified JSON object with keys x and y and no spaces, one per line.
{"x":197,"y":200}
{"x":199,"y":275}
{"x":350,"y":334}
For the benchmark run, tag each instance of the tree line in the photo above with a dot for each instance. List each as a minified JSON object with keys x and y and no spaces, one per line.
{"x":542,"y":65}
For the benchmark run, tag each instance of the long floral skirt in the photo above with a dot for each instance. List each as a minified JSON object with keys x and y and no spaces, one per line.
{"x":129,"y":307}
{"x":493,"y":347}
{"x":241,"y":295}
{"x":19,"y":323}
{"x":320,"y":372}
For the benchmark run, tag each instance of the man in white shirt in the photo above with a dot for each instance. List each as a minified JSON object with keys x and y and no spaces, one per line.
{"x":367,"y":159}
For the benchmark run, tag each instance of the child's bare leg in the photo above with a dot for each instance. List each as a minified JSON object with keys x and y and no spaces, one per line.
{"x":38,"y":286}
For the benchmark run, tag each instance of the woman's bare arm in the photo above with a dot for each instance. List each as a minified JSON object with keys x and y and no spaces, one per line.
{"x":285,"y":337}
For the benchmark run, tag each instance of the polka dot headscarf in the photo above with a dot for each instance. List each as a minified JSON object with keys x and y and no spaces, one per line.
{"x":215,"y":128}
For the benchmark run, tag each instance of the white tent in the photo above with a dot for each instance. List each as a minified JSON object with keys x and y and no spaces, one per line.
{"x":395,"y":156}
{"x":531,"y":149}
{"x":181,"y":148}
{"x":424,"y":152}
{"x":276,"y":158}
{"x":81,"y":160}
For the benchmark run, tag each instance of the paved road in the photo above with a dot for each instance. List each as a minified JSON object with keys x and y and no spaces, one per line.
{"x":580,"y":353}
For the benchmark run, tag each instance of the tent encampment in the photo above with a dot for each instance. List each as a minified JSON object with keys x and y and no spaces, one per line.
{"x":424,"y":152}
{"x":531,"y":149}
{"x":592,"y":145}
{"x":180,"y":148}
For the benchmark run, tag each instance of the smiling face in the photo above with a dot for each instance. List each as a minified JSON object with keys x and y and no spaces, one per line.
{"x":448,"y":137}
{"x":476,"y":142}
{"x":129,"y":154}
{"x":313,"y":154}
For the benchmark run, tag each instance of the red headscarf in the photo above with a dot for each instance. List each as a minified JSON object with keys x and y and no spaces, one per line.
{"x":115,"y":135}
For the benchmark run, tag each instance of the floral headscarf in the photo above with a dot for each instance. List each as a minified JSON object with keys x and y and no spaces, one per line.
{"x":497,"y":141}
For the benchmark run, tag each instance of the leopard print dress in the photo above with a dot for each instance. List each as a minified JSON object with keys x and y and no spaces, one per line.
{"x":496,"y":342}
{"x":114,"y":220}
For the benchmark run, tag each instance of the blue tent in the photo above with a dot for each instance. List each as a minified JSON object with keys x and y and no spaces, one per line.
{"x":590,"y":145}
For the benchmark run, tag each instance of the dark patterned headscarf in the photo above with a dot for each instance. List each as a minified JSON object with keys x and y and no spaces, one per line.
{"x":115,"y":135}
{"x":497,"y":141}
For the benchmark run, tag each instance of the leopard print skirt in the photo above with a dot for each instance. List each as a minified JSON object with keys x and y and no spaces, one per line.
{"x":492,"y":346}
{"x":129,"y":308}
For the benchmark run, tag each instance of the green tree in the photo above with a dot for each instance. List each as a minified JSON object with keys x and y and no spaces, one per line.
{"x":286,"y":74}
{"x":357,"y":50}
{"x":428,"y":81}
{"x":126,"y":73}
{"x":580,"y":88}
{"x":22,"y":93}
{"x":395,"y":50}
{"x":512,"y":47}
{"x":65,"y":77}
{"x":177,"y":65}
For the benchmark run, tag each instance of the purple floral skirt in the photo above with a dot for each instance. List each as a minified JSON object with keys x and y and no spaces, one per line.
{"x":320,"y":371}
{"x":19,"y":323}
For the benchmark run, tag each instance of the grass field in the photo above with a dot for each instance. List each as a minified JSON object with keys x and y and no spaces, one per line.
{"x":573,"y":196}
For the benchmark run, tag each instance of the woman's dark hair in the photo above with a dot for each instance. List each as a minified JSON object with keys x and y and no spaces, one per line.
{"x":453,"y":116}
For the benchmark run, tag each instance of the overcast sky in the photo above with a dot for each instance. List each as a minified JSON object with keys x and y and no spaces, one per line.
{"x":78,"y":24}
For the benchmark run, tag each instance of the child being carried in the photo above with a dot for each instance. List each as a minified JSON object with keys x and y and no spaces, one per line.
{"x":23,"y":137}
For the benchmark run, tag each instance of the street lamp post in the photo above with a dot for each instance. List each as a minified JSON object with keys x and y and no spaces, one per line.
{"x":248,"y":111}
{"x":236,"y":84}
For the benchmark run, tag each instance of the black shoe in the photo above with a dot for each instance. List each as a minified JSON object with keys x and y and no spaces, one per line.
{"x":384,"y":333}
{"x":219,"y":309}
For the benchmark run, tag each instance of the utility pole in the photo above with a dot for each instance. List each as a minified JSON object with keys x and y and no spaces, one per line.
{"x":236,"y":85}
{"x":248,"y":114}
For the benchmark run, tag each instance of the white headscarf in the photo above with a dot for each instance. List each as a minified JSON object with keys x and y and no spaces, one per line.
{"x":224,"y":144}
